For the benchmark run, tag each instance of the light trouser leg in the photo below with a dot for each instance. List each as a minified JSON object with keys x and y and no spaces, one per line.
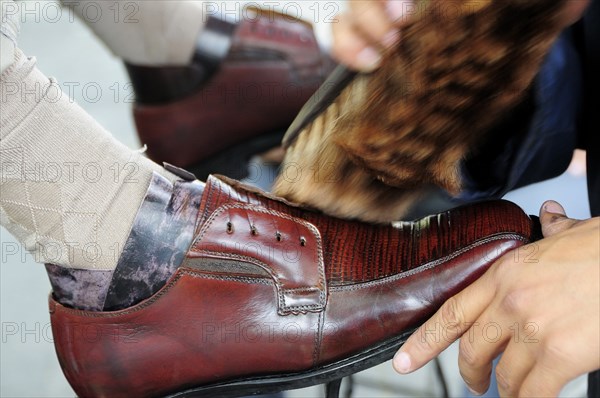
{"x":149,"y":32}
{"x":9,"y":30}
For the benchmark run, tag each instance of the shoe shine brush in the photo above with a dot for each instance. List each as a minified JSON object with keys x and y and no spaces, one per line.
{"x":367,"y":145}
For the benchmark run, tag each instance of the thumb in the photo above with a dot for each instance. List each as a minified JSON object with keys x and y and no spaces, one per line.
{"x":554,"y":219}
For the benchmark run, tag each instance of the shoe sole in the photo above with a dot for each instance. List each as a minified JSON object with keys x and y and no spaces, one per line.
{"x":292,"y":381}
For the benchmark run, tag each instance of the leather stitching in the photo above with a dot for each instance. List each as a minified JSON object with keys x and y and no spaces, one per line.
{"x":153,"y":299}
{"x":243,"y":279}
{"x":284,"y":308}
{"x":251,"y":260}
{"x":196,"y":274}
{"x":317,"y":342}
{"x":259,"y":209}
{"x":302,"y":289}
{"x":431,"y":264}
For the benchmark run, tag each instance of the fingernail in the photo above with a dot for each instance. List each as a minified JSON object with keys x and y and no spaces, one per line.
{"x":397,"y":9}
{"x":391,"y":38}
{"x":402,"y":362}
{"x":553,"y":207}
{"x":473,"y":392}
{"x":368,"y":59}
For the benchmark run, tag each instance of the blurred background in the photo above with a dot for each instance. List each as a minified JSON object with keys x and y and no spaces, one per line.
{"x":97,"y":81}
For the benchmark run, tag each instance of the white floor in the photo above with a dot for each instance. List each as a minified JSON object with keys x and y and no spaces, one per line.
{"x":65,"y":49}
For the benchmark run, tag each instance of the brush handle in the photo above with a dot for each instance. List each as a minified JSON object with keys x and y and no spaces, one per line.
{"x":337,"y":81}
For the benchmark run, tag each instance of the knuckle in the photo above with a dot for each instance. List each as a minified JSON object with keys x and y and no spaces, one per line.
{"x":452,"y":313}
{"x":550,"y":229}
{"x":467,"y":353}
{"x":504,"y":380}
{"x":556,"y":351}
{"x":429,"y":343}
{"x":515,"y":301}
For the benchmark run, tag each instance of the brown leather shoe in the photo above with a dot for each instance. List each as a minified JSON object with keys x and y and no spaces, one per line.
{"x":273,"y":297}
{"x":244,"y":87}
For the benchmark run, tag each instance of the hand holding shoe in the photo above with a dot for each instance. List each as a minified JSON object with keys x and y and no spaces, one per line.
{"x":539,"y":306}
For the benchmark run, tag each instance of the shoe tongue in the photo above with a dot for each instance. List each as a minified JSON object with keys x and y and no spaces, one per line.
{"x":218,"y":191}
{"x":222,"y":190}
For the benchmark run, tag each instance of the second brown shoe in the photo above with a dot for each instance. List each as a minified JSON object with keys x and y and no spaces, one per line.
{"x":244,"y":87}
{"x":273,"y":297}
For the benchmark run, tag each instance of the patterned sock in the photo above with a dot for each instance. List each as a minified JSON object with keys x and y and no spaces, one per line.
{"x":69,"y":190}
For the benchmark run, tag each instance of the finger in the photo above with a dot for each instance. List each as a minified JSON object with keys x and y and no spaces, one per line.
{"x":372,"y":20}
{"x":351,"y":49}
{"x":452,"y":320}
{"x":477,"y":351}
{"x":554,"y":219}
{"x":560,"y":356}
{"x":516,"y":363}
{"x":400,"y":11}
{"x":542,"y":381}
{"x":573,"y":11}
